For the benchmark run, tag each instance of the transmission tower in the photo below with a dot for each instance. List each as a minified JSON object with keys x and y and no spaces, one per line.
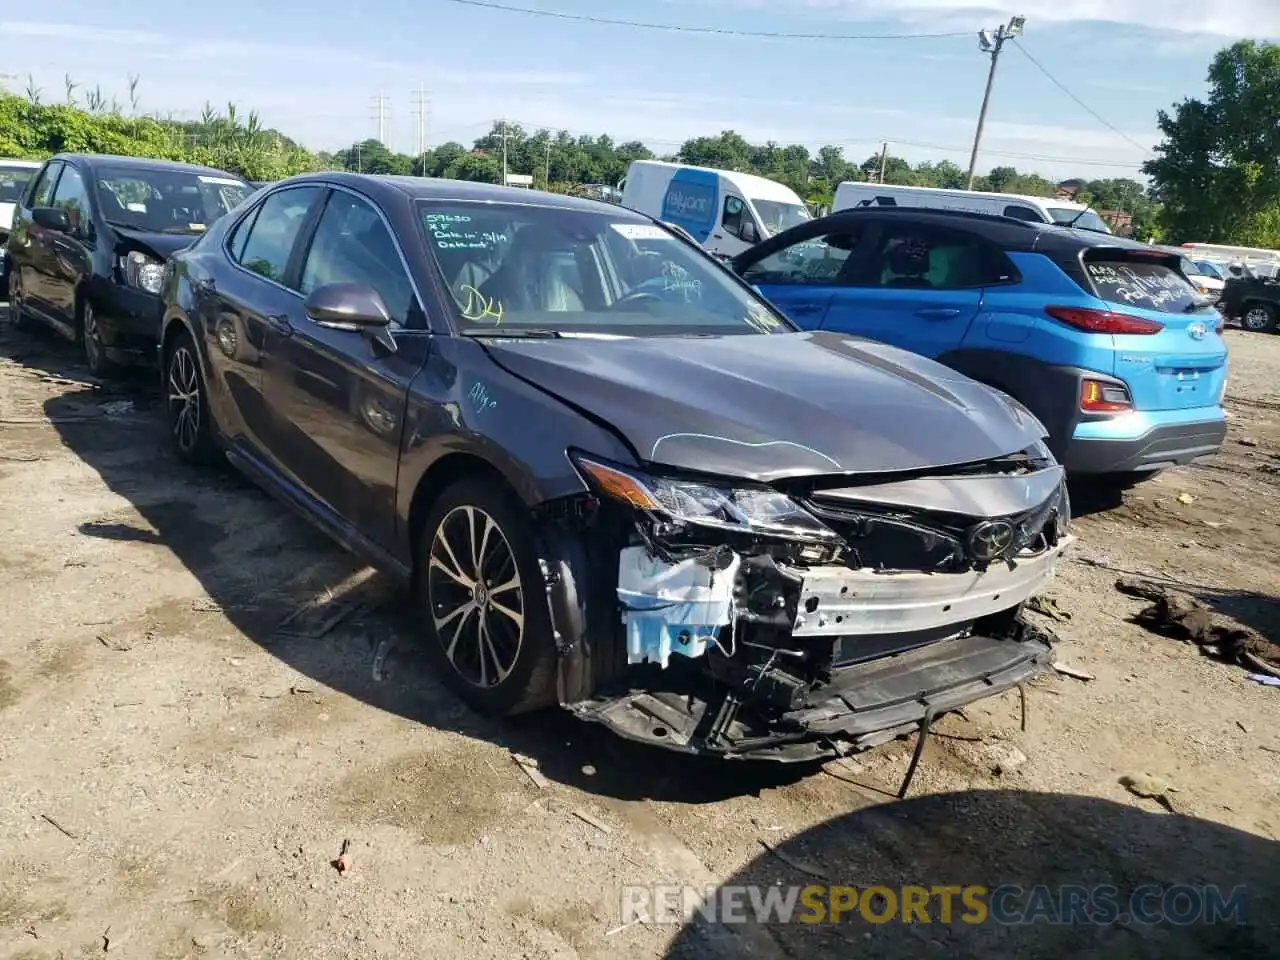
{"x":381,"y":112}
{"x":422,"y":115}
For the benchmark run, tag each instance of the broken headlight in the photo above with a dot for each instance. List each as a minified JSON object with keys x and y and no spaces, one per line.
{"x":747,"y":509}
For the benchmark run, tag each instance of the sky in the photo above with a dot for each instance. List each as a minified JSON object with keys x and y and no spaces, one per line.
{"x":316,"y":70}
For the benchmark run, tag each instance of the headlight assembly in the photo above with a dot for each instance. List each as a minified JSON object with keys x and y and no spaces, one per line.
{"x":758,"y":510}
{"x":142,"y":272}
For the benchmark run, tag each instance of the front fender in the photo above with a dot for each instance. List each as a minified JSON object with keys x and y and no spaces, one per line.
{"x":462,"y":403}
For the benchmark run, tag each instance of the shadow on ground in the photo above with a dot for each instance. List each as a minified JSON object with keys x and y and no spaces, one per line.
{"x":258,"y":564}
{"x":1021,"y":839}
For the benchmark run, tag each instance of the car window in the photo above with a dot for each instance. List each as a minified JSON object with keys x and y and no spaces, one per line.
{"x":577,"y":271}
{"x":1019,"y":212}
{"x":14,"y":182}
{"x":1153,"y":286}
{"x":352,"y":244}
{"x":935,"y":258}
{"x":73,"y":196}
{"x":266,"y":248}
{"x":42,"y":192}
{"x":815,"y":261}
{"x":734,"y":210}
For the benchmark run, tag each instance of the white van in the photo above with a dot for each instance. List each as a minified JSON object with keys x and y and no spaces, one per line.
{"x":1035,"y":209}
{"x":726,"y":212}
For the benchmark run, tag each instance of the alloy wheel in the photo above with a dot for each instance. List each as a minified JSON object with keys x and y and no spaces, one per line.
{"x":184,"y":398}
{"x":93,"y":348}
{"x":476,"y":596}
{"x":1257,"y":318}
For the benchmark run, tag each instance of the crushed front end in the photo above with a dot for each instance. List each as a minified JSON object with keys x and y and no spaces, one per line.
{"x":803,"y":619}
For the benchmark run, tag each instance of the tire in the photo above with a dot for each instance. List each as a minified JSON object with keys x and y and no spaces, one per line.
{"x":95,"y":351}
{"x":186,"y":403}
{"x":1260,"y":317}
{"x":517,"y":672}
{"x":18,"y":318}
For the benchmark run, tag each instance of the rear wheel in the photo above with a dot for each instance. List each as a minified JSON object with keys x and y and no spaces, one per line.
{"x":483,"y":600}
{"x":186,"y":406}
{"x":1259,"y":317}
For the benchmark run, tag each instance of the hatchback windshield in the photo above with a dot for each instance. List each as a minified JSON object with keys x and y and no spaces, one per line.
{"x":515,"y":268}
{"x":13,"y":181}
{"x":1088,"y":221}
{"x":166,"y":201}
{"x":780,"y":216}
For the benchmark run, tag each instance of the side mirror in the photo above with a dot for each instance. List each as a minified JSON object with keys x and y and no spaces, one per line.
{"x":347,"y":306}
{"x":51,"y":218}
{"x":748,"y":232}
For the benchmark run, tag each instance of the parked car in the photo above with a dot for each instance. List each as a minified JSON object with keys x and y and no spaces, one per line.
{"x":1207,"y":277}
{"x":614,"y":477}
{"x":852,"y":195}
{"x":1102,"y":338}
{"x":1253,"y":302}
{"x":14,"y":177}
{"x":89,"y":239}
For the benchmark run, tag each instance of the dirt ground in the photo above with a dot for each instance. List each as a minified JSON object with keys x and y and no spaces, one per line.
{"x":178,"y":772}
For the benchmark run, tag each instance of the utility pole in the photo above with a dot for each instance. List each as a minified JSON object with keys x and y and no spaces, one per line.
{"x":381,"y":109}
{"x":884,"y":159}
{"x":548,"y":183}
{"x":991,"y":45}
{"x":422,"y":111}
{"x":504,"y":137}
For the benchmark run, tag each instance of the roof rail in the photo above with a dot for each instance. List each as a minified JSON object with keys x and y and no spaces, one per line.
{"x":942,"y":212}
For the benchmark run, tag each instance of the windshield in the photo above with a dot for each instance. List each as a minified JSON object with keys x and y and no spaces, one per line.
{"x":13,"y":182}
{"x":166,"y":201}
{"x":1208,"y":269}
{"x":776,"y":216}
{"x":1088,"y":221}
{"x":526,"y":270}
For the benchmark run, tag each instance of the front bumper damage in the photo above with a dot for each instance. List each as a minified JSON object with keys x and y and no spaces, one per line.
{"x":713,"y":641}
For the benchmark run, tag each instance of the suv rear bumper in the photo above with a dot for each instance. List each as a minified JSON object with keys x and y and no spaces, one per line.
{"x":1158,"y":447}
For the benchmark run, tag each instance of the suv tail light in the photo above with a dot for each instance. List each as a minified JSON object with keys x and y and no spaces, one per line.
{"x":1103,"y":321}
{"x":1099,"y":396}
{"x":1221,"y":324}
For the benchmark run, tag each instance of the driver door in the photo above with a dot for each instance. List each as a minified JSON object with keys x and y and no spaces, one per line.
{"x":802,"y":277}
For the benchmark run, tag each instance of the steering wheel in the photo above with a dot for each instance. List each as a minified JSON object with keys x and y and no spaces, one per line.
{"x":637,"y":297}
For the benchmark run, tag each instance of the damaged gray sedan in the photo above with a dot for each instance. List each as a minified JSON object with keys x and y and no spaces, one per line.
{"x":613,"y":476}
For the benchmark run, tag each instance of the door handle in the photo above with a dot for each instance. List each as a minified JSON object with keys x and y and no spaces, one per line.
{"x":280,"y":323}
{"x":938,"y":313}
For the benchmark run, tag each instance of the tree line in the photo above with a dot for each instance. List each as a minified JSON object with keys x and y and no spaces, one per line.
{"x":1215,"y":177}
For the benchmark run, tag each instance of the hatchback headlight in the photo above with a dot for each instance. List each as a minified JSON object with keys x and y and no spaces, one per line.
{"x":759,"y":510}
{"x":142,"y":272}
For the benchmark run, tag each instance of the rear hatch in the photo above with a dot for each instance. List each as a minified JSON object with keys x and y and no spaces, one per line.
{"x":1175,"y":358}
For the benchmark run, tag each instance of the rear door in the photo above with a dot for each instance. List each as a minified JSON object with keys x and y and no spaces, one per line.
{"x":919,"y":287}
{"x":1184,"y":364}
{"x":33,"y":247}
{"x":801,"y":275}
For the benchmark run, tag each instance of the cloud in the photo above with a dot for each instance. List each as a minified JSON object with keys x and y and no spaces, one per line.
{"x":1255,"y":18}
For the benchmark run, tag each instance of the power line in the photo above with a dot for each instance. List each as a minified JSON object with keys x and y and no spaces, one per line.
{"x":721,"y":31}
{"x":1084,"y":106}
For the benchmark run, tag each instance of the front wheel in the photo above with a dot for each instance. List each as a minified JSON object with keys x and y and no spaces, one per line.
{"x":1260,"y":318}
{"x":187,"y":407}
{"x":484,"y":602}
{"x":95,"y":350}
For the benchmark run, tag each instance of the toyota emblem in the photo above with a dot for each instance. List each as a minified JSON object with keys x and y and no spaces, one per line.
{"x":990,"y":540}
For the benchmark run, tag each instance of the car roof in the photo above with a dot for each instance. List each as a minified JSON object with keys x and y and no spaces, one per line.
{"x":1009,"y":233}
{"x":91,"y":161}
{"x":436,"y":188}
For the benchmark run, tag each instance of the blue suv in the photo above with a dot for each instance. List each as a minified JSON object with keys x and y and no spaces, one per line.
{"x":1103,"y":339}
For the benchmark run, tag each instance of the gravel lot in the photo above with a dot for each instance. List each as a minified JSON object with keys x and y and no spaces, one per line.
{"x":178,"y":772}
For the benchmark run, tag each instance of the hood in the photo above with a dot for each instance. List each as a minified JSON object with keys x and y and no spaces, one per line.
{"x":6,"y":216}
{"x":159,"y":245}
{"x":771,"y":407}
